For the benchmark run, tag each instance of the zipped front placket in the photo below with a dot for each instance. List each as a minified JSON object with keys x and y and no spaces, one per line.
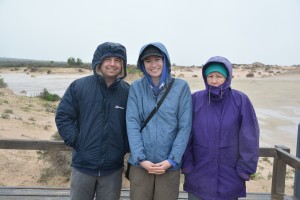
{"x":156,"y":122}
{"x":155,"y":100}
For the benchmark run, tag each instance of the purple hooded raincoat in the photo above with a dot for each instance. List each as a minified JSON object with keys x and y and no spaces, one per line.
{"x":223,"y":149}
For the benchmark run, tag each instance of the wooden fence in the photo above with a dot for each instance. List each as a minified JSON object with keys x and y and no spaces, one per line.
{"x":281,"y":155}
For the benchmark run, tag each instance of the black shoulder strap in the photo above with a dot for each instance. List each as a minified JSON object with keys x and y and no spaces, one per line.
{"x":158,"y":105}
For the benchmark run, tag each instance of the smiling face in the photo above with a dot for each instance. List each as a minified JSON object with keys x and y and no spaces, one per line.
{"x":215,"y":79}
{"x":111,"y":67}
{"x":154,"y":66}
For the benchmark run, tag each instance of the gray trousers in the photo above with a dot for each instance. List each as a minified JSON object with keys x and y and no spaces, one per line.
{"x":84,"y":187}
{"x":145,"y":186}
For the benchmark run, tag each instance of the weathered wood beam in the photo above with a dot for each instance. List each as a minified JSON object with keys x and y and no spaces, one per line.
{"x":60,"y":146}
{"x":289,"y":159}
{"x":267,"y":152}
{"x":33,"y":145}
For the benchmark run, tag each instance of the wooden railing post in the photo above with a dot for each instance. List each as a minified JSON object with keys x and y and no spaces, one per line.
{"x":297,"y":172}
{"x":279,"y":172}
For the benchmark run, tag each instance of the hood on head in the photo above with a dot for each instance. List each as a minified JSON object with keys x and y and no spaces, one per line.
{"x":109,"y":49}
{"x":226,"y":63}
{"x":161,"y":47}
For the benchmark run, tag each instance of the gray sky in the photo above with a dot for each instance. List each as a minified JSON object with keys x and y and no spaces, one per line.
{"x":244,"y":31}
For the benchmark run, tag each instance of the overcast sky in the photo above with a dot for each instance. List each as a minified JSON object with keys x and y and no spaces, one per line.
{"x":244,"y":31}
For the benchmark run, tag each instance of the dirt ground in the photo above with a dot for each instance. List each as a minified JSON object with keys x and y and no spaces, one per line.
{"x":33,"y":119}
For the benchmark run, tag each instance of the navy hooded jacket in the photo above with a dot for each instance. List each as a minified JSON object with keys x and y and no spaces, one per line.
{"x":223,"y":149}
{"x":91,"y":116}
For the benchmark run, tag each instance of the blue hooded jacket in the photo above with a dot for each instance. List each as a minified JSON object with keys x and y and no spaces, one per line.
{"x":166,"y":134}
{"x":91,"y":116}
{"x":223,"y":149}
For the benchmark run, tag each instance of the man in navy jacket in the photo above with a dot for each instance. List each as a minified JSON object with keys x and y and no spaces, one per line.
{"x":91,"y":119}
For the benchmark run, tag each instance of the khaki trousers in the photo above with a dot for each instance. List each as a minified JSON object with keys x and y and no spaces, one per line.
{"x":147,"y":186}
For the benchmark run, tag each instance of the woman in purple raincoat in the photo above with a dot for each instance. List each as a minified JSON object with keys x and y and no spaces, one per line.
{"x":223,"y":149}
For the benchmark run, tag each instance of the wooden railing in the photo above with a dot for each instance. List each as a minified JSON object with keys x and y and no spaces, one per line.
{"x":281,"y":155}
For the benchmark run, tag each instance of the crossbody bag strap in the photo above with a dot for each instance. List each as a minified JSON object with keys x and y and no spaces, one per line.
{"x":157,"y":105}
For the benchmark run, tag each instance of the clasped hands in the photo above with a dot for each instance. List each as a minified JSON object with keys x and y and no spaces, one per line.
{"x":157,"y":168}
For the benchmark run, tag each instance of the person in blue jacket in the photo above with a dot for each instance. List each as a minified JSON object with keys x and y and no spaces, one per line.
{"x":223,"y":149}
{"x":91,"y":119}
{"x":157,"y":150}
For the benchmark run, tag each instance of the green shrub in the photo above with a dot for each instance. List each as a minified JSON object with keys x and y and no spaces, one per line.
{"x":250,"y":75}
{"x":8,"y":111}
{"x":5,"y":116}
{"x":56,"y":137}
{"x":25,"y":108}
{"x":48,"y":96}
{"x":266,"y":159}
{"x":31,"y":119}
{"x":132,"y":70}
{"x":256,"y":176}
{"x":50,"y":108}
{"x":2,"y":83}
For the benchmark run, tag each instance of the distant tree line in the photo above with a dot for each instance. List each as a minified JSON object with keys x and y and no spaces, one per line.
{"x":18,"y":63}
{"x":72,"y":62}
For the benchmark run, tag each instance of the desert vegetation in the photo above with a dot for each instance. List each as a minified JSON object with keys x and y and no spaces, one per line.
{"x":48,"y":96}
{"x":56,"y":163}
{"x":2,"y":83}
{"x":255,"y":69}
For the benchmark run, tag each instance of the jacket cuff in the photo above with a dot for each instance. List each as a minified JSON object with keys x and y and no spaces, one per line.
{"x":139,"y":160}
{"x":243,"y":175}
{"x":172,"y":162}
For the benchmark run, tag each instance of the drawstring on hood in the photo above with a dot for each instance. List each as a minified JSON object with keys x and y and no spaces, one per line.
{"x":209,"y":95}
{"x":221,"y":92}
{"x":215,"y":97}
